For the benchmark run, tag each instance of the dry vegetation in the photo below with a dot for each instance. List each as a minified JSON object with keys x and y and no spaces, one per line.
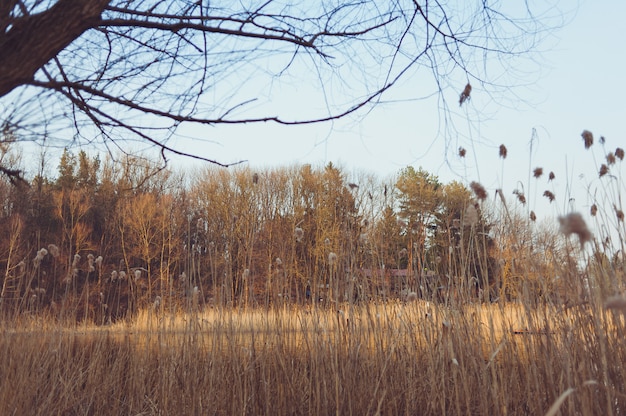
{"x":527,"y":320}
{"x":396,"y":358}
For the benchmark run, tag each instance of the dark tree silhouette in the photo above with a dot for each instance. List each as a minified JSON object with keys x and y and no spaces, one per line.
{"x":113,"y":71}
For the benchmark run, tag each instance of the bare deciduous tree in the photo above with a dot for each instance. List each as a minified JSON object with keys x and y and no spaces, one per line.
{"x":110,"y":71}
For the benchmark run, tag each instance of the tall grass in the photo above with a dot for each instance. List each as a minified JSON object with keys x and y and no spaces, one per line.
{"x":546,"y":335}
{"x":413,"y":358}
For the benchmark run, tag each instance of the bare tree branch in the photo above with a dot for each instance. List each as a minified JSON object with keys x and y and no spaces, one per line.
{"x":119,"y":70}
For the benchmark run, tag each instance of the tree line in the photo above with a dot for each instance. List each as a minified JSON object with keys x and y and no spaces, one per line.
{"x":102,"y":238}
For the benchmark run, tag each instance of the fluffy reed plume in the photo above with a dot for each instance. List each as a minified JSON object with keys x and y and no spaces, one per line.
{"x":533,"y":216}
{"x":278,"y":262}
{"x":619,"y":213}
{"x":479,"y":190}
{"x":76,"y":260}
{"x":114,"y":276}
{"x":537,"y":172}
{"x":520,"y":196}
{"x":573,"y":223}
{"x":332,"y":258}
{"x":503,"y":151}
{"x":604,"y":169}
{"x":549,"y":195}
{"x":39,"y":257}
{"x":594,"y":210}
{"x":298,"y":234}
{"x":619,"y":153}
{"x":462,"y":152}
{"x":610,"y":158}
{"x":470,"y":216}
{"x":465,"y":95}
{"x":53,"y":250}
{"x":137,"y":274}
{"x":551,"y":176}
{"x":90,"y":262}
{"x":587,"y":138}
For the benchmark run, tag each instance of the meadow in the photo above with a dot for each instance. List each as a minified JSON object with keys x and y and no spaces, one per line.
{"x":298,"y":292}
{"x":374,"y":359}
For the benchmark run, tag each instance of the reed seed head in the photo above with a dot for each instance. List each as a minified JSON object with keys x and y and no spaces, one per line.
{"x":332,"y":258}
{"x":619,"y":153}
{"x":53,"y":250}
{"x":587,"y":138}
{"x":549,"y":195}
{"x":573,"y":223}
{"x":299,"y":234}
{"x":533,"y":216}
{"x":594,"y":210}
{"x":465,"y":95}
{"x":537,"y":172}
{"x":503,"y":151}
{"x":551,"y":176}
{"x":604,"y":169}
{"x":610,"y":158}
{"x":76,"y":260}
{"x":470,"y":217}
{"x":462,"y":152}
{"x":479,"y":190}
{"x":619,"y":213}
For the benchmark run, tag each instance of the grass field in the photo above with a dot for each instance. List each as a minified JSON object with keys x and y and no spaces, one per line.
{"x":387,"y":359}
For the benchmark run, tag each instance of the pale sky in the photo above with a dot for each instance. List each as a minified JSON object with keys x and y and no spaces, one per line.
{"x":578,"y":86}
{"x":575,"y":83}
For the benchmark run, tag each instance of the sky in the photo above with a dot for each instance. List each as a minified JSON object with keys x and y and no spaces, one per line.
{"x":578,"y":84}
{"x":573,"y":83}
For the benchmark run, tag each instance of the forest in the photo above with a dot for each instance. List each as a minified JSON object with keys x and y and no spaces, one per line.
{"x":99,"y":240}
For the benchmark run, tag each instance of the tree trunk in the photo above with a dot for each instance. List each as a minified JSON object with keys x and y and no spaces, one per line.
{"x":32,"y":41}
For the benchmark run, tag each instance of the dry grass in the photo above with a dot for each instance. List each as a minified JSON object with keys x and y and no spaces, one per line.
{"x":551,"y":342}
{"x":414,"y":358}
